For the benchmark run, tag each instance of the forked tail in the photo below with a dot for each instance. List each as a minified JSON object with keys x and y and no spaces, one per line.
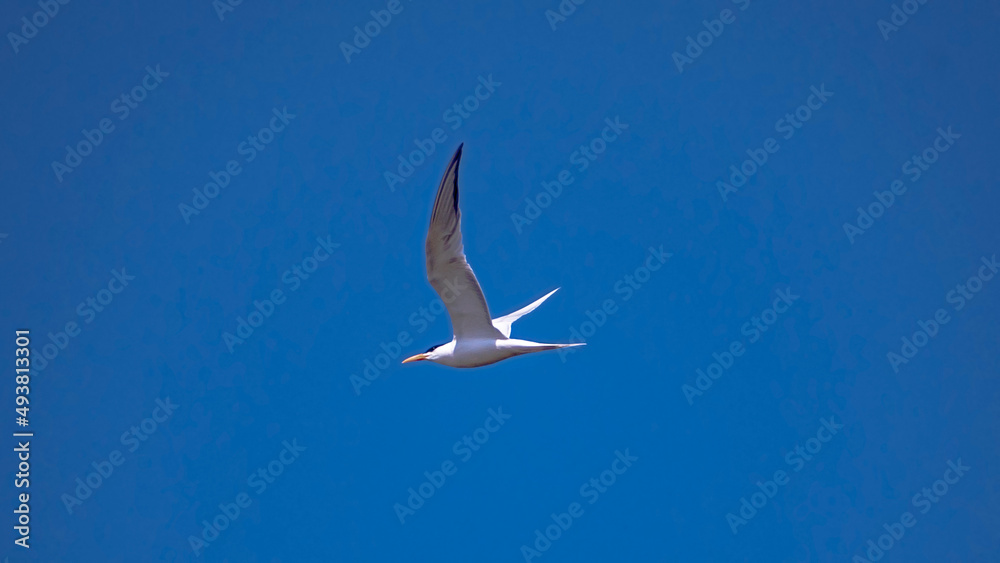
{"x":527,"y":347}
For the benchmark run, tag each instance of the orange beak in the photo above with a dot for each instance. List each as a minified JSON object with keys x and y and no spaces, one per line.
{"x":416,"y":358}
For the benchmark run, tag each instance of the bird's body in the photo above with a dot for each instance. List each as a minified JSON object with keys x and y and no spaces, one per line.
{"x":479,"y":339}
{"x":483,"y":352}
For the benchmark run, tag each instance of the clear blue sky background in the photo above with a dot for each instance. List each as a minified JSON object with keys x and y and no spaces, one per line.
{"x":291,"y":380}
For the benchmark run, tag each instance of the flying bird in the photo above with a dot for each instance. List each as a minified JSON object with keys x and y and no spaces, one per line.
{"x":479,"y":339}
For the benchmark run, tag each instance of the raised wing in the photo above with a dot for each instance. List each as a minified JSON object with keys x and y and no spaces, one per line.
{"x":447,"y":269}
{"x":503,"y":323}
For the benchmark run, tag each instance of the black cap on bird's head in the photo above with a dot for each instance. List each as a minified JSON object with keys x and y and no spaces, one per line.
{"x":423,"y":356}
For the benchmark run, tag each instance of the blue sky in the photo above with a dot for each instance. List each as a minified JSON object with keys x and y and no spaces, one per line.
{"x":220,"y":280}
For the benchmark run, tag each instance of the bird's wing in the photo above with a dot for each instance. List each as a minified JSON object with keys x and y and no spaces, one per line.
{"x":447,"y":269}
{"x":504,"y":323}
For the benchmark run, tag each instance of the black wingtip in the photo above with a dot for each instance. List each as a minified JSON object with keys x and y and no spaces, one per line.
{"x":455,"y":160}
